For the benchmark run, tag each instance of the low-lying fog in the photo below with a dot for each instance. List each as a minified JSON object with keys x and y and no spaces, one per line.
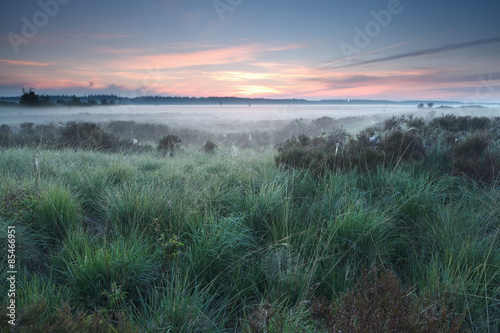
{"x":231,"y":118}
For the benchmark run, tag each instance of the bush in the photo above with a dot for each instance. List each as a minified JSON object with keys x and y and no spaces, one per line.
{"x":339,"y":151}
{"x":402,"y":145}
{"x":36,"y":318}
{"x":169,"y":144}
{"x":87,"y":136}
{"x":316,"y":154}
{"x":455,"y":124}
{"x":473,"y":159}
{"x":380,"y":304}
{"x":209,"y":147}
{"x":5,"y":136}
{"x":449,"y":144}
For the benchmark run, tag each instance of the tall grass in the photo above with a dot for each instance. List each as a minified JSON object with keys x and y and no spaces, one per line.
{"x":177,"y":306}
{"x":260,"y":243}
{"x":91,"y":266}
{"x":56,"y":212}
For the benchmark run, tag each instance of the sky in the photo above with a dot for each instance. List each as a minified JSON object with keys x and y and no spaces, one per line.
{"x":315,"y":49}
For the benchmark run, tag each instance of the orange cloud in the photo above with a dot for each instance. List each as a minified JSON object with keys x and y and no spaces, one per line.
{"x":189,"y":59}
{"x":256,"y":90}
{"x":23,"y":63}
{"x":217,"y":56}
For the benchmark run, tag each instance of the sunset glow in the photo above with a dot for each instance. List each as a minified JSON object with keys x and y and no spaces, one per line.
{"x":173,"y":48}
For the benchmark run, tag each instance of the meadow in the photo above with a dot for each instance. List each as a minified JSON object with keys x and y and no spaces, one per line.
{"x":323,"y":233}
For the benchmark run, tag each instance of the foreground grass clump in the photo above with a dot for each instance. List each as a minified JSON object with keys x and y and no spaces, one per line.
{"x":56,"y":212}
{"x":98,"y":270}
{"x":222,"y":243}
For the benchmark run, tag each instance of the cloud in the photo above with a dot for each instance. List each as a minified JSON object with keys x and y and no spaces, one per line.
{"x":90,"y":36}
{"x":23,"y":63}
{"x":425,"y":52}
{"x":111,"y":50}
{"x":216,"y":56}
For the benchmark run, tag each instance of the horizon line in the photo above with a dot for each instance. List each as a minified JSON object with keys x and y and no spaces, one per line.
{"x":348,"y":100}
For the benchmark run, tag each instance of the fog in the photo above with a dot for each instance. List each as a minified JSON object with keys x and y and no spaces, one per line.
{"x":231,"y":118}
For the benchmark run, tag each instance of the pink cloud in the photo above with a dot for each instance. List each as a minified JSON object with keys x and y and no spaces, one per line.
{"x":189,"y":59}
{"x":23,"y":63}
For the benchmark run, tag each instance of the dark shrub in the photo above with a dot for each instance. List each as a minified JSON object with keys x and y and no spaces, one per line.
{"x":405,"y":121}
{"x":209,"y":147}
{"x":5,"y":136}
{"x":169,"y":144}
{"x":339,"y":151}
{"x":455,"y":124}
{"x":479,"y":123}
{"x":317,"y":154}
{"x":46,"y":135}
{"x":87,"y":136}
{"x":473,"y":159}
{"x":401,"y":145}
{"x":27,"y":128}
{"x":474,"y":145}
{"x":380,"y":304}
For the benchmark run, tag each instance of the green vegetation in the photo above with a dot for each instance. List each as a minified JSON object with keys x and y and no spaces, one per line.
{"x":449,"y":144}
{"x":393,"y":229}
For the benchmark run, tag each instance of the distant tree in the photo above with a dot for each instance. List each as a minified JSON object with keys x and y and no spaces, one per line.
{"x":75,"y":100}
{"x":420,"y":106}
{"x":45,"y":100}
{"x":29,"y":98}
{"x":430,"y":105}
{"x":92,"y":102}
{"x":104,"y":101}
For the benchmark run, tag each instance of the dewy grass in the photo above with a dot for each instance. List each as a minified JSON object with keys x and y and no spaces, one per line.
{"x":56,"y":212}
{"x":133,"y":206}
{"x":32,"y":246}
{"x":216,"y":250}
{"x":261,"y":242}
{"x":34,"y":288}
{"x":90,"y":267}
{"x":177,"y":306}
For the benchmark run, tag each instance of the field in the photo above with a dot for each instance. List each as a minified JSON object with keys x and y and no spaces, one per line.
{"x":314,"y":235}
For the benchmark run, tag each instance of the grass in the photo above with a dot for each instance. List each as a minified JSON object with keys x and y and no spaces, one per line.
{"x":90,"y":267}
{"x":217,"y":243}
